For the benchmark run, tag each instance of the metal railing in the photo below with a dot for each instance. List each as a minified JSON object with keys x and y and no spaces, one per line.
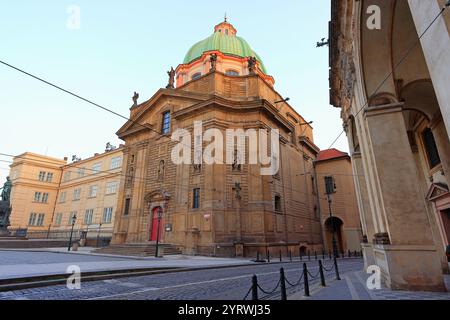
{"x":304,"y":280}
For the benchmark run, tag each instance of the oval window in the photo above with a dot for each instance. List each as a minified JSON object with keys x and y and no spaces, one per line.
{"x":231,"y":73}
{"x":196,"y":75}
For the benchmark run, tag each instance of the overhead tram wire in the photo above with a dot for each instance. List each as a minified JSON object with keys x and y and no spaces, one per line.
{"x":396,"y":66}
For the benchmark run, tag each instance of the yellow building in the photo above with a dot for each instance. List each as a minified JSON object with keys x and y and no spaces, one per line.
{"x":35,"y":179}
{"x":344,"y":206}
{"x":47,"y":193}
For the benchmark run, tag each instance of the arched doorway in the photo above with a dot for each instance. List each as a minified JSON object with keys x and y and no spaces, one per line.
{"x":303,"y":250}
{"x":154,"y":224}
{"x":336,"y":224}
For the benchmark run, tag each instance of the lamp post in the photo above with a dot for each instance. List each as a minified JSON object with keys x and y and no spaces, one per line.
{"x":159,"y":213}
{"x":330,"y":188}
{"x":74,"y":219}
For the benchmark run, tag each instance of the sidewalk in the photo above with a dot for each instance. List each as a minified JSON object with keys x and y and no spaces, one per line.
{"x":353,"y":287}
{"x":41,"y":262}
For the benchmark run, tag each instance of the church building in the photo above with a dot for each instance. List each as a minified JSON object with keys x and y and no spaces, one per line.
{"x":221,"y":209}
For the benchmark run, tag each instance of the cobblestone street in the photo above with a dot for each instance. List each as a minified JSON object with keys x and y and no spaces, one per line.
{"x":213,"y":284}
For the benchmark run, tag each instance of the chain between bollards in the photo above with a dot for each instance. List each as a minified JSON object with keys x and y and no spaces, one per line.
{"x":283,"y":285}
{"x":322,"y":276}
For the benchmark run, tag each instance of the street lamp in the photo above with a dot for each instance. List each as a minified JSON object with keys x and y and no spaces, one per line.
{"x":330,"y":188}
{"x":159,"y":213}
{"x":74,"y":219}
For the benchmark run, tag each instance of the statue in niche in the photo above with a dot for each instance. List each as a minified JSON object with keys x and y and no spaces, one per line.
{"x":161,"y":170}
{"x":236,"y":166}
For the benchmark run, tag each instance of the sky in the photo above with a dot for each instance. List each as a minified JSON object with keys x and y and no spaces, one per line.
{"x":127,"y":46}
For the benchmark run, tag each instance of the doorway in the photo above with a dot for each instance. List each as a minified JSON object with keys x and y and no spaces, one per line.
{"x":154,"y":225}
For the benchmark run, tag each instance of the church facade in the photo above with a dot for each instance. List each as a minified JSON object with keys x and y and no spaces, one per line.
{"x":389,"y":75}
{"x":228,"y":208}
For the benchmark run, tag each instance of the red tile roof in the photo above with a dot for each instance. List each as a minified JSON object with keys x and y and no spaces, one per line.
{"x":330,"y":154}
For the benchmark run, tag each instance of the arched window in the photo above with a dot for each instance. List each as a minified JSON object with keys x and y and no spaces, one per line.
{"x":231,"y":73}
{"x":196,"y":75}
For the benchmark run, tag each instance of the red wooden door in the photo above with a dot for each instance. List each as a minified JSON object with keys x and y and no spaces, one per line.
{"x":154,"y":225}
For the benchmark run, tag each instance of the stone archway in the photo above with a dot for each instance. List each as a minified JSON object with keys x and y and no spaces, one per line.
{"x":336,"y":224}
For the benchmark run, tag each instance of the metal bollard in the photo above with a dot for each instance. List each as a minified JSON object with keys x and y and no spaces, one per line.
{"x":283,"y":285}
{"x":305,"y":277}
{"x":315,"y":254}
{"x":300,"y":254}
{"x":349,"y":253}
{"x":268,"y":256}
{"x":322,"y":276}
{"x":309,"y":256}
{"x":329,"y":254}
{"x":323,"y":254}
{"x":280,"y":256}
{"x":257,"y":256}
{"x":254,"y":288}
{"x":290,"y":255}
{"x":337,"y":270}
{"x":356,"y":254}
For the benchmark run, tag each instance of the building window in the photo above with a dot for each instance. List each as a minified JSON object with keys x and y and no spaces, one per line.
{"x":42,"y":176}
{"x":93,"y":191}
{"x":107,"y":215}
{"x":76,"y":194}
{"x":116,"y":162}
{"x":37,"y":196}
{"x":111,"y":187}
{"x":45,"y":197}
{"x":430,"y":148}
{"x":32,"y":219}
{"x":49,"y":177}
{"x":127,"y":206}
{"x":58,"y":219}
{"x":196,"y":198}
{"x":80,"y":172}
{"x":62,"y":197}
{"x":40,"y":220}
{"x":66,"y":176}
{"x":196,"y":75}
{"x":71,"y":215}
{"x":88,"y":215}
{"x":277,"y":203}
{"x":165,"y":122}
{"x":231,"y":73}
{"x":96,"y":168}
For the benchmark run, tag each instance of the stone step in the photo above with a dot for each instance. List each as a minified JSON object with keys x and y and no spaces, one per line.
{"x":139,"y":249}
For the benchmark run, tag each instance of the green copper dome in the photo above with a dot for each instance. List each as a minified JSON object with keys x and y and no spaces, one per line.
{"x":227,"y":44}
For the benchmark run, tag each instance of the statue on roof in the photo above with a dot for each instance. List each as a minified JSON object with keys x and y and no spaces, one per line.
{"x":135,"y":98}
{"x":251,"y":65}
{"x":213,"y":61}
{"x":171,"y":83}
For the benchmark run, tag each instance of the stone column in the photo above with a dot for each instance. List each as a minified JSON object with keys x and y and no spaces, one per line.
{"x":405,"y":252}
{"x":365,"y":212}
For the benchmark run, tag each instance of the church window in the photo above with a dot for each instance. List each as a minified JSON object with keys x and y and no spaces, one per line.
{"x":165,"y":122}
{"x":196,"y":75}
{"x":277,"y":203}
{"x":430,"y":148}
{"x":127,"y":207}
{"x":196,"y":198}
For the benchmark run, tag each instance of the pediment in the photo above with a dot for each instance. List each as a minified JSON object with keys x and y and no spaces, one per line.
{"x":436,"y":191}
{"x":137,"y":123}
